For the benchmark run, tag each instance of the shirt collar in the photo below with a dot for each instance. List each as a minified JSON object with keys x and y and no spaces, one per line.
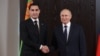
{"x":37,"y":19}
{"x":68,"y":24}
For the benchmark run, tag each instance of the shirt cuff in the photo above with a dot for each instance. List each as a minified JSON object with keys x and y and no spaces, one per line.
{"x":41,"y":47}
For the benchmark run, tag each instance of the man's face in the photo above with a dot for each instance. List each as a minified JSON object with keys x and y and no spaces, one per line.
{"x":65,"y":16}
{"x":34,"y":11}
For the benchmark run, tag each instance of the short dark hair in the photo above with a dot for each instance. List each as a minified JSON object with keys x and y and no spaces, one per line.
{"x":66,"y":9}
{"x":33,"y":4}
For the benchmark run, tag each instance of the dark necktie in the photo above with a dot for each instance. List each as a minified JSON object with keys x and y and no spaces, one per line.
{"x":36,"y":27}
{"x":35,"y":23}
{"x":65,"y":32}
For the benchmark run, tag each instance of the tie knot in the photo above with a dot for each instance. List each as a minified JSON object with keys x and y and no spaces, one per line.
{"x":65,"y":26}
{"x":35,"y":22}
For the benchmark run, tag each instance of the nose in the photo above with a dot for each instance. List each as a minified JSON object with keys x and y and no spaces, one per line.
{"x":64,"y":17}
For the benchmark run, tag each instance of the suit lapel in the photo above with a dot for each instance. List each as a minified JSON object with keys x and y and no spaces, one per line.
{"x":41,"y":30}
{"x":70,"y":33}
{"x":31,"y":24}
{"x":61,"y":33}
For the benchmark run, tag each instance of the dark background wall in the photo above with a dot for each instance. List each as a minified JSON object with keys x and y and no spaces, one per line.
{"x":83,"y":14}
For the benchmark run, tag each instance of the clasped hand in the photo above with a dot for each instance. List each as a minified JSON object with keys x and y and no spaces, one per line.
{"x":45,"y":49}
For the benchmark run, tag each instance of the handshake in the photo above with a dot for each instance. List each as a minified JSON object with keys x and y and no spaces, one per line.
{"x":45,"y":49}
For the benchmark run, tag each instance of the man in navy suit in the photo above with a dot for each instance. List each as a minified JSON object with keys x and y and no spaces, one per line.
{"x":68,"y":38}
{"x":34,"y":34}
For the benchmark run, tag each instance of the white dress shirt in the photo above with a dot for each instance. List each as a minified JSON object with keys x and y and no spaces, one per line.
{"x":68,"y":28}
{"x":37,"y":19}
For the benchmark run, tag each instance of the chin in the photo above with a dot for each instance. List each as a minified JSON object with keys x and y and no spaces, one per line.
{"x":35,"y":17}
{"x":65,"y":22}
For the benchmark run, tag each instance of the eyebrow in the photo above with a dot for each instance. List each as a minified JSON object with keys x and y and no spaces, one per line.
{"x":35,"y":9}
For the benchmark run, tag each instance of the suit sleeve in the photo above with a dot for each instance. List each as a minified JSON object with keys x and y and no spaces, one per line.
{"x":54,"y":45}
{"x":45,"y":36}
{"x":25,"y":37}
{"x":82,"y":43}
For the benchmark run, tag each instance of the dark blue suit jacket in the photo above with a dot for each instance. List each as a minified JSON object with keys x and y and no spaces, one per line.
{"x":31,"y":39}
{"x":76,"y":41}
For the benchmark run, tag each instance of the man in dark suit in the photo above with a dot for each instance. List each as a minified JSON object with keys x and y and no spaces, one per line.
{"x":34,"y":34}
{"x":69,"y":38}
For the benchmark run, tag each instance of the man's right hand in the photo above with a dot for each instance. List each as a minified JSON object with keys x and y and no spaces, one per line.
{"x":45,"y":49}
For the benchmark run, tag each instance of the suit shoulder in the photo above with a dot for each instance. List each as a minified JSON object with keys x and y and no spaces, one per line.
{"x":57,"y":26}
{"x":24,"y":21}
{"x":76,"y":25}
{"x":42,"y":22}
{"x":27,"y":20}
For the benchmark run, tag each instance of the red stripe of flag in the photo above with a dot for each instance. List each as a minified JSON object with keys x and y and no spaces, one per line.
{"x":98,"y":47}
